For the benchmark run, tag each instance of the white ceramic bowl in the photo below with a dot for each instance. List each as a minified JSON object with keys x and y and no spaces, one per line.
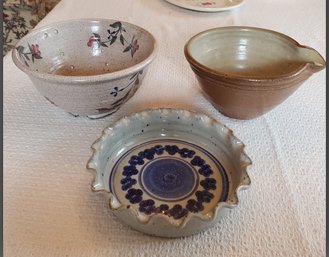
{"x":169,"y":172}
{"x":88,"y":67}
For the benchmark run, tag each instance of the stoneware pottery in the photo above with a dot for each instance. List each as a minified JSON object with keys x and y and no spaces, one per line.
{"x":87,"y":67}
{"x":245,"y":72}
{"x":169,"y":172}
{"x":207,"y":6}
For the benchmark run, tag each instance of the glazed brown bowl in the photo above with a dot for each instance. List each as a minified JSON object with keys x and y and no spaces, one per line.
{"x":245,"y":71}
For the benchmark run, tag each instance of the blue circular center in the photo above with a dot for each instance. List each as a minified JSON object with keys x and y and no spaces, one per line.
{"x":169,"y":178}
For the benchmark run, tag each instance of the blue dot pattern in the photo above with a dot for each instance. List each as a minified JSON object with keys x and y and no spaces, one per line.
{"x":136,"y":160}
{"x":129,"y":171}
{"x":159,"y":149}
{"x":194,"y":206}
{"x":208,"y":183}
{"x":205,"y":170}
{"x":127,"y":183}
{"x":204,"y":196}
{"x":177,"y":211}
{"x":197,"y":161}
{"x":172,"y":149}
{"x":184,"y":153}
{"x":135,"y":196}
{"x":147,"y":206}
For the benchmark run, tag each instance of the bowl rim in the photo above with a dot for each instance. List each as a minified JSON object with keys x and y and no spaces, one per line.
{"x":231,"y":202}
{"x":85,"y":79}
{"x":215,"y":73}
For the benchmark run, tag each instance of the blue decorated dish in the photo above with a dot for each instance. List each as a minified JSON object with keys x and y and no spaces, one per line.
{"x":169,"y":172}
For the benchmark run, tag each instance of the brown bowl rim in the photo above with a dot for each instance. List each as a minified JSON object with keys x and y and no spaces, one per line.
{"x":215,"y":74}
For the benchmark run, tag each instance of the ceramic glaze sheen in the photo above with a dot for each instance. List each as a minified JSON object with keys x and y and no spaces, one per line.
{"x":164,"y":176}
{"x":87,"y":67}
{"x":245,"y":72}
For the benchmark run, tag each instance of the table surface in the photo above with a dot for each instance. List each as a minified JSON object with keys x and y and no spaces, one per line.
{"x":49,"y":209}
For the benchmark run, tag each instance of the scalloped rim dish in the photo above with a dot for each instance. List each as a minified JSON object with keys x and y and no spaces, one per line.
{"x":216,"y":142}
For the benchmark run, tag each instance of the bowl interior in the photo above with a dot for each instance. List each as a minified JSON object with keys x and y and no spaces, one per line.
{"x":246,"y":52}
{"x":84,"y":47}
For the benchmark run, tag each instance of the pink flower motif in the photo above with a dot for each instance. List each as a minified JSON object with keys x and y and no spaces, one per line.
{"x":207,"y":3}
{"x":134,"y":47}
{"x":36,"y":53}
{"x":5,"y":17}
{"x":91,"y":41}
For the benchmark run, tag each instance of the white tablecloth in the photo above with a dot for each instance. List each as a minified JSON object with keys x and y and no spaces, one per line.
{"x":49,"y":209}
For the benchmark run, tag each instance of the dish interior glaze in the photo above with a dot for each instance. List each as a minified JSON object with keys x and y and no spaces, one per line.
{"x":169,"y":172}
{"x":169,"y":176}
{"x":169,"y":162}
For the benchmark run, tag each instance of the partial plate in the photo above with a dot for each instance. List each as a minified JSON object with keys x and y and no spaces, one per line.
{"x":207,"y":5}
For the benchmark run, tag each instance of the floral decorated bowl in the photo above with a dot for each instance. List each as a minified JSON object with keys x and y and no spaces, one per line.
{"x":169,"y":172}
{"x":246,"y":72}
{"x":87,"y":67}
